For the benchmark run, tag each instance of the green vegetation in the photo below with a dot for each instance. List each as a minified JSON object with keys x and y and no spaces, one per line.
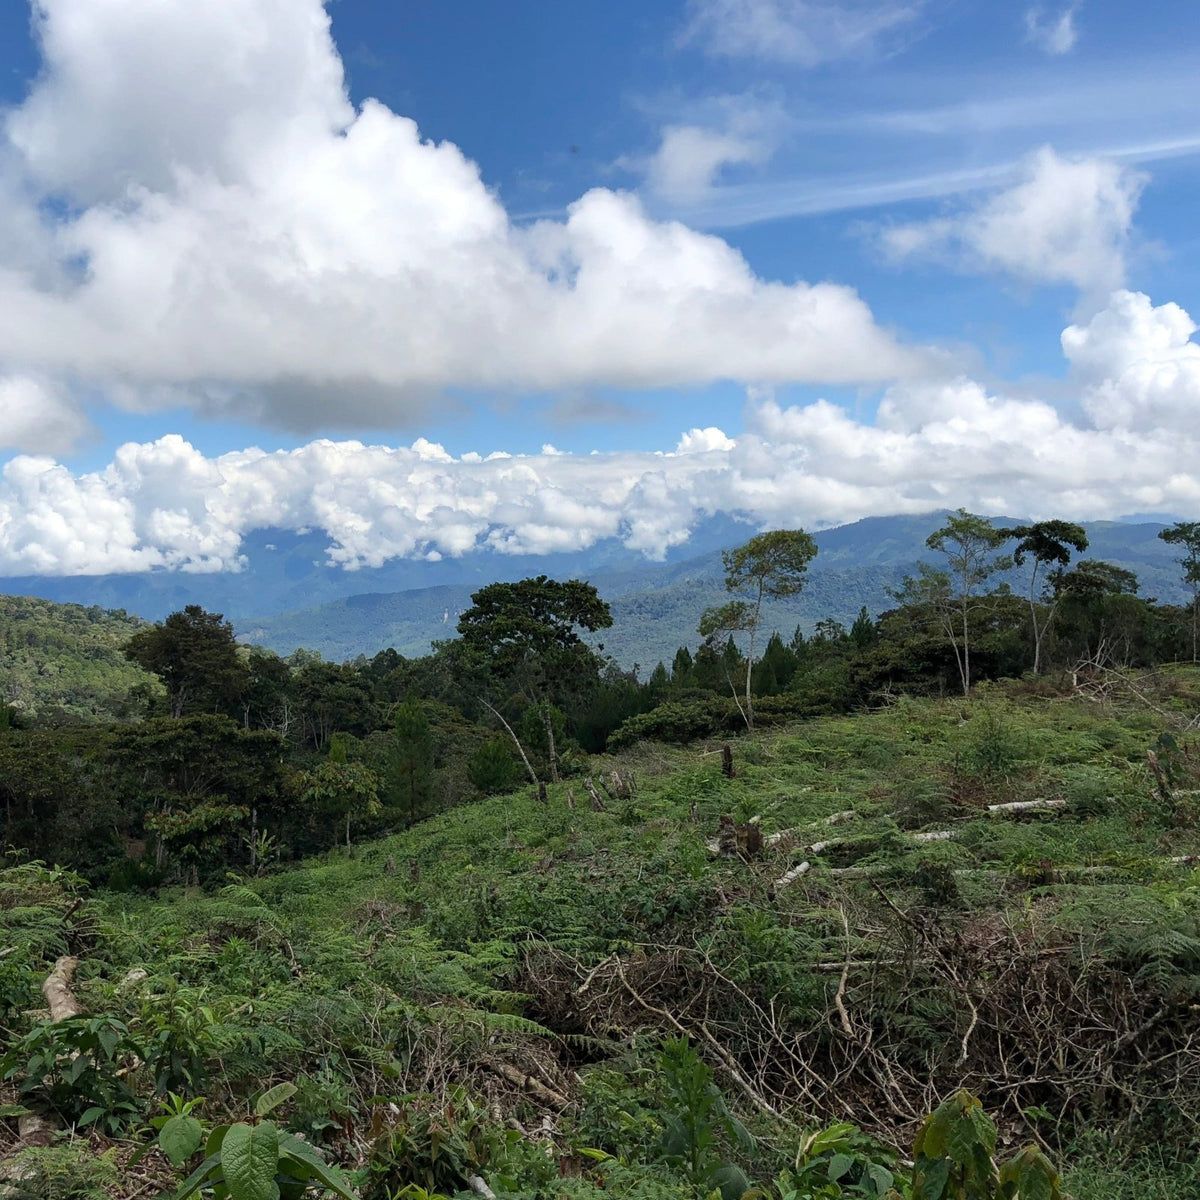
{"x":321,"y":934}
{"x":63,"y":663}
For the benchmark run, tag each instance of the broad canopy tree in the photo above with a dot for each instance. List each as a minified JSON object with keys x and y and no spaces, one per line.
{"x":1049,"y":544}
{"x":770,"y":566}
{"x":524,"y":636}
{"x":195,"y":655}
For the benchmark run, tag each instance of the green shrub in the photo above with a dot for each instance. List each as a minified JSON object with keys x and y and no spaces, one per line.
{"x":492,"y":769}
{"x":65,"y":1171}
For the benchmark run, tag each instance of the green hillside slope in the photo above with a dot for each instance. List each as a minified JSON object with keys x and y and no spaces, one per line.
{"x":489,"y":993}
{"x":65,"y":660}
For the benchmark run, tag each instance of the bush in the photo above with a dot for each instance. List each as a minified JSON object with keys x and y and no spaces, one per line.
{"x":675,"y":721}
{"x":493,"y":769}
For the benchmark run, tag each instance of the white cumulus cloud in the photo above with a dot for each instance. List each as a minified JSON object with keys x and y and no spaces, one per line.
{"x":1067,"y":221}
{"x":37,"y":415}
{"x":690,"y":157}
{"x":1138,"y":364}
{"x":239,"y":237}
{"x":934,"y":444}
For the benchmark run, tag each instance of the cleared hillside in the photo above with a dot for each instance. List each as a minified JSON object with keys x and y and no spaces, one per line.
{"x":507,"y":973}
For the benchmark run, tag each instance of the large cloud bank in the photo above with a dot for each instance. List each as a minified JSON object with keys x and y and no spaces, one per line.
{"x":229,"y":231}
{"x":933,"y":444}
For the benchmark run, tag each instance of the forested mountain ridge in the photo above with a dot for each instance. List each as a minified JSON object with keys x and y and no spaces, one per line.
{"x":66,"y":662}
{"x":286,"y":575}
{"x":656,"y":606}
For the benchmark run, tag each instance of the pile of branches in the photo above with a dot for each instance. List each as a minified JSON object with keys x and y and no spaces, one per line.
{"x":1011,"y":1010}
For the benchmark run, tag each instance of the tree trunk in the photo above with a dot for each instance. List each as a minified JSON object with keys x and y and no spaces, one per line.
{"x":39,"y":1128}
{"x":57,"y":990}
{"x":1037,"y":632}
{"x":516,"y":741}
{"x":552,"y":753}
{"x":750,"y":657}
{"x":347,"y":828}
{"x":966,"y":650}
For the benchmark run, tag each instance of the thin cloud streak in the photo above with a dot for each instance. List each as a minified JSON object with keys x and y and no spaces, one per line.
{"x":738,"y":205}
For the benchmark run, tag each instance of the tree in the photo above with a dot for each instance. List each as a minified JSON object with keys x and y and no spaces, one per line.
{"x":492,"y":768}
{"x":1102,"y":616}
{"x":410,"y":761}
{"x":524,"y":635}
{"x":344,"y":789}
{"x":198,"y":780}
{"x":195,"y":655}
{"x":1187,"y":535}
{"x":969,"y":543}
{"x":1048,"y":543}
{"x":772,"y":565}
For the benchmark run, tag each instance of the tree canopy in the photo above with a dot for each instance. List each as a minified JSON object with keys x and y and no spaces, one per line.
{"x":195,"y":655}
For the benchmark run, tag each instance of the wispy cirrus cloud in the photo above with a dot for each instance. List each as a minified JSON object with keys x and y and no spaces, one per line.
{"x":1053,"y":32}
{"x":804,"y":33}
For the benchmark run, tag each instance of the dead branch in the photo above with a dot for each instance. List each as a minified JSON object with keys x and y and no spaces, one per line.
{"x":527,"y":1083}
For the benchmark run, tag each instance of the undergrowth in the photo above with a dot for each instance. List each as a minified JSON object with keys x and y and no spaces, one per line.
{"x":501,"y":979}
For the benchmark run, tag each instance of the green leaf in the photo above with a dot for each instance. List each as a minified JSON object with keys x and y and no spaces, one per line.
{"x":91,"y":1114}
{"x":195,"y":1180}
{"x":273,"y":1097}
{"x":933,"y":1186}
{"x":839,"y":1164}
{"x":180,"y":1138}
{"x":13,"y":1110}
{"x":324,"y":1173}
{"x":216,"y":1137}
{"x":108,"y":1039}
{"x":731,"y":1181}
{"x":881,"y":1177}
{"x":1029,"y":1175}
{"x":249,"y":1158}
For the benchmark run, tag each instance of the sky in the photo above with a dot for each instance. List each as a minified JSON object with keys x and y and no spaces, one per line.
{"x":447,"y":276}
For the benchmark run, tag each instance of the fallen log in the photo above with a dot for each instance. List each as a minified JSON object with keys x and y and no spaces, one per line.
{"x":1016,"y":806}
{"x":528,"y":1084}
{"x":790,"y":877}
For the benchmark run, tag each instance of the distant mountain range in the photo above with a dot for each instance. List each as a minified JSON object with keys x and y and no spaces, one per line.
{"x":289,"y":597}
{"x":656,"y":606}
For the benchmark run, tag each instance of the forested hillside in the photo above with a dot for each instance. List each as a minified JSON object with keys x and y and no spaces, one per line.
{"x":64,"y":662}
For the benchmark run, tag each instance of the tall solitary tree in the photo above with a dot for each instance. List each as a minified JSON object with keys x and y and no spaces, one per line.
{"x":525,"y":636}
{"x":770,"y":566}
{"x":969,"y":543}
{"x":1186,"y":534}
{"x":410,"y":758}
{"x":195,"y":654}
{"x":1049,"y":544}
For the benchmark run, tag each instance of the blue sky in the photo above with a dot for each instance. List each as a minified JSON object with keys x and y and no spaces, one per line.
{"x":840,"y":240}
